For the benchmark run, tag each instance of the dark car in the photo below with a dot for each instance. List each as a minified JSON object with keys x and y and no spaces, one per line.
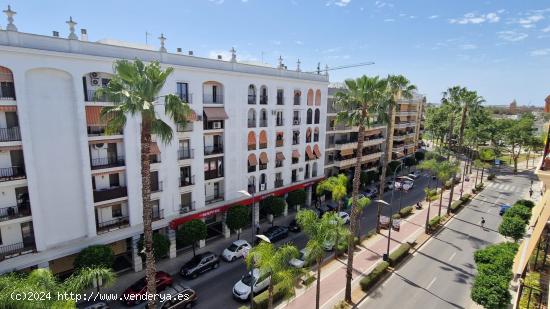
{"x":321,"y":210}
{"x":276,"y":233}
{"x":177,"y":296}
{"x":199,"y":264}
{"x":294,"y":227}
{"x":132,"y":295}
{"x":331,"y":206}
{"x":503,"y":209}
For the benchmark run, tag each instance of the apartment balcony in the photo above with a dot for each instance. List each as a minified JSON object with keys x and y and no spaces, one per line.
{"x":107,"y":162}
{"x":280,"y":122}
{"x":296,"y":121}
{"x":402,"y":137}
{"x":99,"y":130}
{"x":188,"y":127}
{"x":314,"y":173}
{"x":20,"y":248}
{"x":12,"y":173}
{"x":14,"y":212}
{"x":278,"y":183}
{"x":279,"y":143}
{"x":342,"y":163}
{"x":263,"y":145}
{"x":92,"y":95}
{"x":10,"y":134}
{"x":109,"y":194}
{"x":111,"y":225}
{"x":185,"y":97}
{"x":280,"y":100}
{"x":263,"y":99}
{"x":251,"y":123}
{"x":297,"y":100}
{"x":251,"y":168}
{"x":406,"y":113}
{"x":156,"y":187}
{"x":398,"y":148}
{"x":184,"y":154}
{"x":211,"y":199}
{"x":263,"y":123}
{"x":209,"y":175}
{"x":187,"y":207}
{"x":251,"y":99}
{"x":403,"y":125}
{"x":331,"y":109}
{"x":408,"y":101}
{"x":345,"y":144}
{"x":187,"y":181}
{"x":213,"y":149}
{"x":7,"y":91}
{"x":212,"y":99}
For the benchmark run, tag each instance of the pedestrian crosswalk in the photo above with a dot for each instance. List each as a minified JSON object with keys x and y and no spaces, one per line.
{"x":505,"y":187}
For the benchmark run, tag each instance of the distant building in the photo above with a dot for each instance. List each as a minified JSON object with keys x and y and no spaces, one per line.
{"x":547,"y":104}
{"x":513,"y":106}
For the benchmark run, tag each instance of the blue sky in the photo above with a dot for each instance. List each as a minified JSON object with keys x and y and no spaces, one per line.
{"x":500,"y":48}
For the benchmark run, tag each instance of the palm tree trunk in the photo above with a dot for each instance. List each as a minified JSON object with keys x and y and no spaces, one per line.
{"x":354,"y":212}
{"x":482,"y":171}
{"x":441,"y":200}
{"x":527,"y":161}
{"x":150,"y":270}
{"x":318,"y":288}
{"x":462,"y":125}
{"x":270,"y":291}
{"x":477,"y":174}
{"x":449,"y":138}
{"x":451,"y":195}
{"x":385,"y":161}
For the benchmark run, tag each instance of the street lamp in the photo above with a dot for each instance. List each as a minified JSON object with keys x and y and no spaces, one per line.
{"x":247,"y":194}
{"x":389,"y":227}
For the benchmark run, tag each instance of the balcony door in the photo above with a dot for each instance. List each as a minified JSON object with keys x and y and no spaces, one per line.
{"x":27,"y":234}
{"x":114,"y":180}
{"x":217,"y":190}
{"x":218,"y":141}
{"x":11,"y":120}
{"x":112,"y":151}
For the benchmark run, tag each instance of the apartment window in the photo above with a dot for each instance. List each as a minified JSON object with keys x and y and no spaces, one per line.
{"x":116,"y":211}
{"x":309,"y":117}
{"x":295,"y":137}
{"x":263,"y":95}
{"x":114,"y":180}
{"x":297,"y":97}
{"x":317,"y":116}
{"x":182,"y":90}
{"x":279,"y":141}
{"x":296,"y":117}
{"x":280,"y":120}
{"x":316,"y":135}
{"x":154,"y":179}
{"x":280,"y":97}
{"x":213,"y":168}
{"x":308,"y":135}
{"x":294,"y":175}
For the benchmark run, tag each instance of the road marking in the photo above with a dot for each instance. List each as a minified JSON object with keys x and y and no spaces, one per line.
{"x":452,"y":256}
{"x":431,"y":282}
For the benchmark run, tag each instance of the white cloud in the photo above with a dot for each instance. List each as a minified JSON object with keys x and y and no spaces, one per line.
{"x":547,"y":29}
{"x":433,"y":17}
{"x":512,"y":36}
{"x":540,"y":52}
{"x":389,"y":20}
{"x":473,"y":18}
{"x":217,"y":1}
{"x":340,"y":3}
{"x":298,"y":42}
{"x":468,"y":46}
{"x":381,"y":4}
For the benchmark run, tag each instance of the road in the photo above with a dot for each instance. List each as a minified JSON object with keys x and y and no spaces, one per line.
{"x":441,"y":273}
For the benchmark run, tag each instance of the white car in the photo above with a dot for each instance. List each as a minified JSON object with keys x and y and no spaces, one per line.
{"x":344,"y":216}
{"x":407,"y":185}
{"x":300,"y":261}
{"x":236,"y":250}
{"x":414,"y":175}
{"x":241,"y":289}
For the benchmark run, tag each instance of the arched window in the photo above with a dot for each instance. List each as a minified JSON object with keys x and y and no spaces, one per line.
{"x":309,"y":118}
{"x":297,"y":97}
{"x":251,"y":118}
{"x":263,"y":95}
{"x":263,"y":160}
{"x":263,"y":117}
{"x":251,"y":140}
{"x":212,"y":92}
{"x":308,"y":135}
{"x":318,"y":97}
{"x":252,"y":184}
{"x":263,"y":182}
{"x":306,"y":173}
{"x":310,"y":97}
{"x":317,"y":116}
{"x":251,"y":94}
{"x":316,"y":135}
{"x":252,"y":162}
{"x":7,"y":90}
{"x":309,"y":153}
{"x":316,"y":151}
{"x":263,"y":139}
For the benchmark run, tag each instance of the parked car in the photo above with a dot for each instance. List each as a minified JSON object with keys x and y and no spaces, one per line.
{"x":503,"y":209}
{"x":300,"y":261}
{"x":276,"y":233}
{"x":388,"y":185}
{"x":344,"y":216}
{"x":407,"y":185}
{"x":321,"y":210}
{"x":414,"y":174}
{"x":131,"y":295}
{"x":294,"y":227}
{"x":199,"y":264}
{"x":236,"y":250}
{"x":370,"y":192}
{"x":241,"y":289}
{"x":92,"y":305}
{"x":331,"y":206}
{"x":176,"y":296}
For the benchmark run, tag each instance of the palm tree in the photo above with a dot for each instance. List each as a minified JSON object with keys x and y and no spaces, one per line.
{"x":274,"y":263}
{"x":337,"y":185}
{"x":137,"y":86}
{"x":431,"y":166}
{"x":357,"y":104}
{"x":319,"y":231}
{"x":398,"y":87}
{"x":452,"y":103}
{"x":486,"y":154}
{"x":444,"y":172}
{"x":41,"y":281}
{"x":471,"y":103}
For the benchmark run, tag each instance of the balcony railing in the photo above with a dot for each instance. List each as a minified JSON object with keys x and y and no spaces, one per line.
{"x":158,"y":214}
{"x":13,"y":212}
{"x":109,"y":194}
{"x":208,"y":175}
{"x":278,"y":183}
{"x":185,"y":208}
{"x":187,"y":181}
{"x":99,"y":130}
{"x":280,"y":122}
{"x":16,"y":249}
{"x":263,"y":123}
{"x":278,"y":163}
{"x":7,"y":90}
{"x":12,"y":173}
{"x":295,"y":141}
{"x":263,"y":145}
{"x":263,"y":99}
{"x":251,"y":123}
{"x":107,"y":162}
{"x":10,"y":134}
{"x":92,"y":95}
{"x":297,"y":100}
{"x":279,"y":143}
{"x":188,"y":127}
{"x":263,"y":166}
{"x":214,"y":149}
{"x":314,"y":173}
{"x":156,"y":187}
{"x":210,"y":199}
{"x":184,"y":154}
{"x":212,"y":99}
{"x":115,"y":224}
{"x":251,"y":168}
{"x":252,"y":147}
{"x":251,"y":99}
{"x":280,"y":100}
{"x":296,"y":121}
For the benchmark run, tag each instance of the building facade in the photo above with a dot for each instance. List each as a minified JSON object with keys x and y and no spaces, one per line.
{"x":67,"y":185}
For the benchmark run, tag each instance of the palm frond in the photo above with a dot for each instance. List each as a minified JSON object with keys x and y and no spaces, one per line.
{"x":162,"y":130}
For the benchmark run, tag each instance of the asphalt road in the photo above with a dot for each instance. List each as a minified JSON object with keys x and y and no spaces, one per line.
{"x":441,"y":273}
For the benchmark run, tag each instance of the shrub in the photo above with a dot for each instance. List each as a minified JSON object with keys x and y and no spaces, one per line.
{"x":491,"y":177}
{"x":491,"y":291}
{"x":519,"y":210}
{"x":399,"y":253}
{"x":95,"y":256}
{"x":434,"y":222}
{"x":262,"y":300}
{"x":273,"y":205}
{"x":466,"y":197}
{"x":456,"y":205}
{"x":396,"y":216}
{"x":419,"y":155}
{"x":191,"y":232}
{"x":161,"y":245}
{"x":370,"y":280}
{"x":493,"y":253}
{"x":296,"y":197}
{"x":237,"y":218}
{"x":405,"y":211}
{"x":526,"y":203}
{"x":512,"y":227}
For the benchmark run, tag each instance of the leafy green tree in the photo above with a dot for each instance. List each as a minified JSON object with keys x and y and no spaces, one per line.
{"x":161,"y":245}
{"x":513,"y":227}
{"x":444,"y":172}
{"x":520,"y":211}
{"x":273,"y":205}
{"x":419,"y":156}
{"x":136,"y":87}
{"x":491,"y":292}
{"x":392,"y":166}
{"x":501,"y":254}
{"x":95,"y":256}
{"x":274,"y":262}
{"x":336,"y":185}
{"x":486,"y":155}
{"x":296,"y":197}
{"x":191,"y":232}
{"x":237,"y":218}
{"x":517,"y":135}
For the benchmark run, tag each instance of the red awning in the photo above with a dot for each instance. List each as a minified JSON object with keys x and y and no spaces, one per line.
{"x":295,"y":154}
{"x":316,"y":151}
{"x":309,"y":153}
{"x":252,"y":160}
{"x":280,"y":156}
{"x":263,"y":158}
{"x":8,"y":108}
{"x":215,"y":113}
{"x":154,"y":148}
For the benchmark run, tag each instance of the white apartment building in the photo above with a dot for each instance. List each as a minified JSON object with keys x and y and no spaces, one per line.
{"x":65,"y":185}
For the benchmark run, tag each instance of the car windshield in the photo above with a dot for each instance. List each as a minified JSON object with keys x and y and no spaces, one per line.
{"x":138,"y":285}
{"x":194,"y":261}
{"x":247,"y":280}
{"x":233,"y":248}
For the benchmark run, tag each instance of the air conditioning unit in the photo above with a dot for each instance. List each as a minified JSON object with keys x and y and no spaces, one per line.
{"x":217,"y":125}
{"x":94,"y":75}
{"x":262,"y":187}
{"x":99,"y":146}
{"x":184,"y":210}
{"x":300,"y":169}
{"x":95,"y":82}
{"x":296,"y":122}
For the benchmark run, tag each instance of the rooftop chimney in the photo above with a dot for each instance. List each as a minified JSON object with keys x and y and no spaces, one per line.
{"x":84,"y":35}
{"x":178,"y":49}
{"x":190,"y":53}
{"x":55,"y":34}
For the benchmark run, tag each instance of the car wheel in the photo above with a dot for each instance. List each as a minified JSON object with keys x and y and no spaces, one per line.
{"x":233,"y":259}
{"x":194,"y":275}
{"x":216,"y":265}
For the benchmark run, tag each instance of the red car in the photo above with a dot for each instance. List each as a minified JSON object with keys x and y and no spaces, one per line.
{"x":132,"y":295}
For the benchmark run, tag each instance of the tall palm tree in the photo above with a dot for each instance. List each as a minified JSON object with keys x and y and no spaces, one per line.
{"x":273,"y":262}
{"x":337,"y":186}
{"x":398,"y":87}
{"x":319,"y":231}
{"x":444,"y":172}
{"x":431,"y":166}
{"x":486,"y":154}
{"x":471,"y":103}
{"x":137,"y":87}
{"x":357,"y":105}
{"x":452,"y":104}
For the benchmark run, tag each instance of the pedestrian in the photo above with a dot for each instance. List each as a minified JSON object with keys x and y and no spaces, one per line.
{"x":531,"y":192}
{"x":482,"y":222}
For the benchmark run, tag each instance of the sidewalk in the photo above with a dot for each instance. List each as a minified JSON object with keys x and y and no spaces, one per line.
{"x":333,"y":275}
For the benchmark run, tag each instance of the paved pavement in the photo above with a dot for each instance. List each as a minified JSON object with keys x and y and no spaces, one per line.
{"x":441,"y":273}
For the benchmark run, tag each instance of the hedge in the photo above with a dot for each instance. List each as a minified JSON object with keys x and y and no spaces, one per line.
{"x":396,"y":216}
{"x":95,"y":256}
{"x":456,"y":205}
{"x":370,"y":280}
{"x":397,"y":255}
{"x":405,"y":211}
{"x":261,"y":301}
{"x":526,"y":203}
{"x":491,"y":177}
{"x":434,"y":222}
{"x":465,"y":197}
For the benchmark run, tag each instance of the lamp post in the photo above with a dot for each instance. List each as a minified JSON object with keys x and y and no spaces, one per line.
{"x":247,"y":194}
{"x":384,"y":203}
{"x":391,"y":209}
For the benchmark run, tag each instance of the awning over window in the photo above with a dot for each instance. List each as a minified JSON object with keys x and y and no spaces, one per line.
{"x":280,"y":156}
{"x":263,"y":158}
{"x":8,"y":108}
{"x":251,"y":138}
{"x":295,"y":154}
{"x":316,"y":151}
{"x":154,"y":149}
{"x":308,"y":132}
{"x":263,"y":137}
{"x":373,"y":132}
{"x":346,"y":152}
{"x":93,"y":115}
{"x":309,"y":153}
{"x":192,"y":116}
{"x":280,"y":135}
{"x":215,"y":113}
{"x":252,"y":160}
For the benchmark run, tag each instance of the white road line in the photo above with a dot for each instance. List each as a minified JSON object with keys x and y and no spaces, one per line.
{"x":452,"y":256}
{"x":431,"y":282}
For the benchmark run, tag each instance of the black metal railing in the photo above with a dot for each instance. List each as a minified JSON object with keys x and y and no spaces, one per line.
{"x":315,"y":137}
{"x":252,"y":147}
{"x":184,"y":154}
{"x":157,"y":214}
{"x":263,"y":145}
{"x":297,"y":100}
{"x":263,"y":99}
{"x":278,"y":183}
{"x":188,"y":207}
{"x":106,"y":162}
{"x":251,"y":99}
{"x":106,"y":226}
{"x":10,"y":134}
{"x":296,"y":121}
{"x":13,"y":212}
{"x":156,"y":187}
{"x":214,"y":149}
{"x":16,"y":249}
{"x":209,"y":199}
{"x":280,"y":122}
{"x":263,"y":166}
{"x":294,"y":178}
{"x":92,"y":95}
{"x":251,"y":123}
{"x":279,"y":143}
{"x":213,"y":174}
{"x":263,"y":123}
{"x":295,"y":141}
{"x":187,"y":181}
{"x":99,"y":130}
{"x":7,"y":90}
{"x":278,"y":163}
{"x":251,"y":168}
{"x":12,"y":173}
{"x":280,"y":100}
{"x":212,"y":99}
{"x":109,"y":194}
